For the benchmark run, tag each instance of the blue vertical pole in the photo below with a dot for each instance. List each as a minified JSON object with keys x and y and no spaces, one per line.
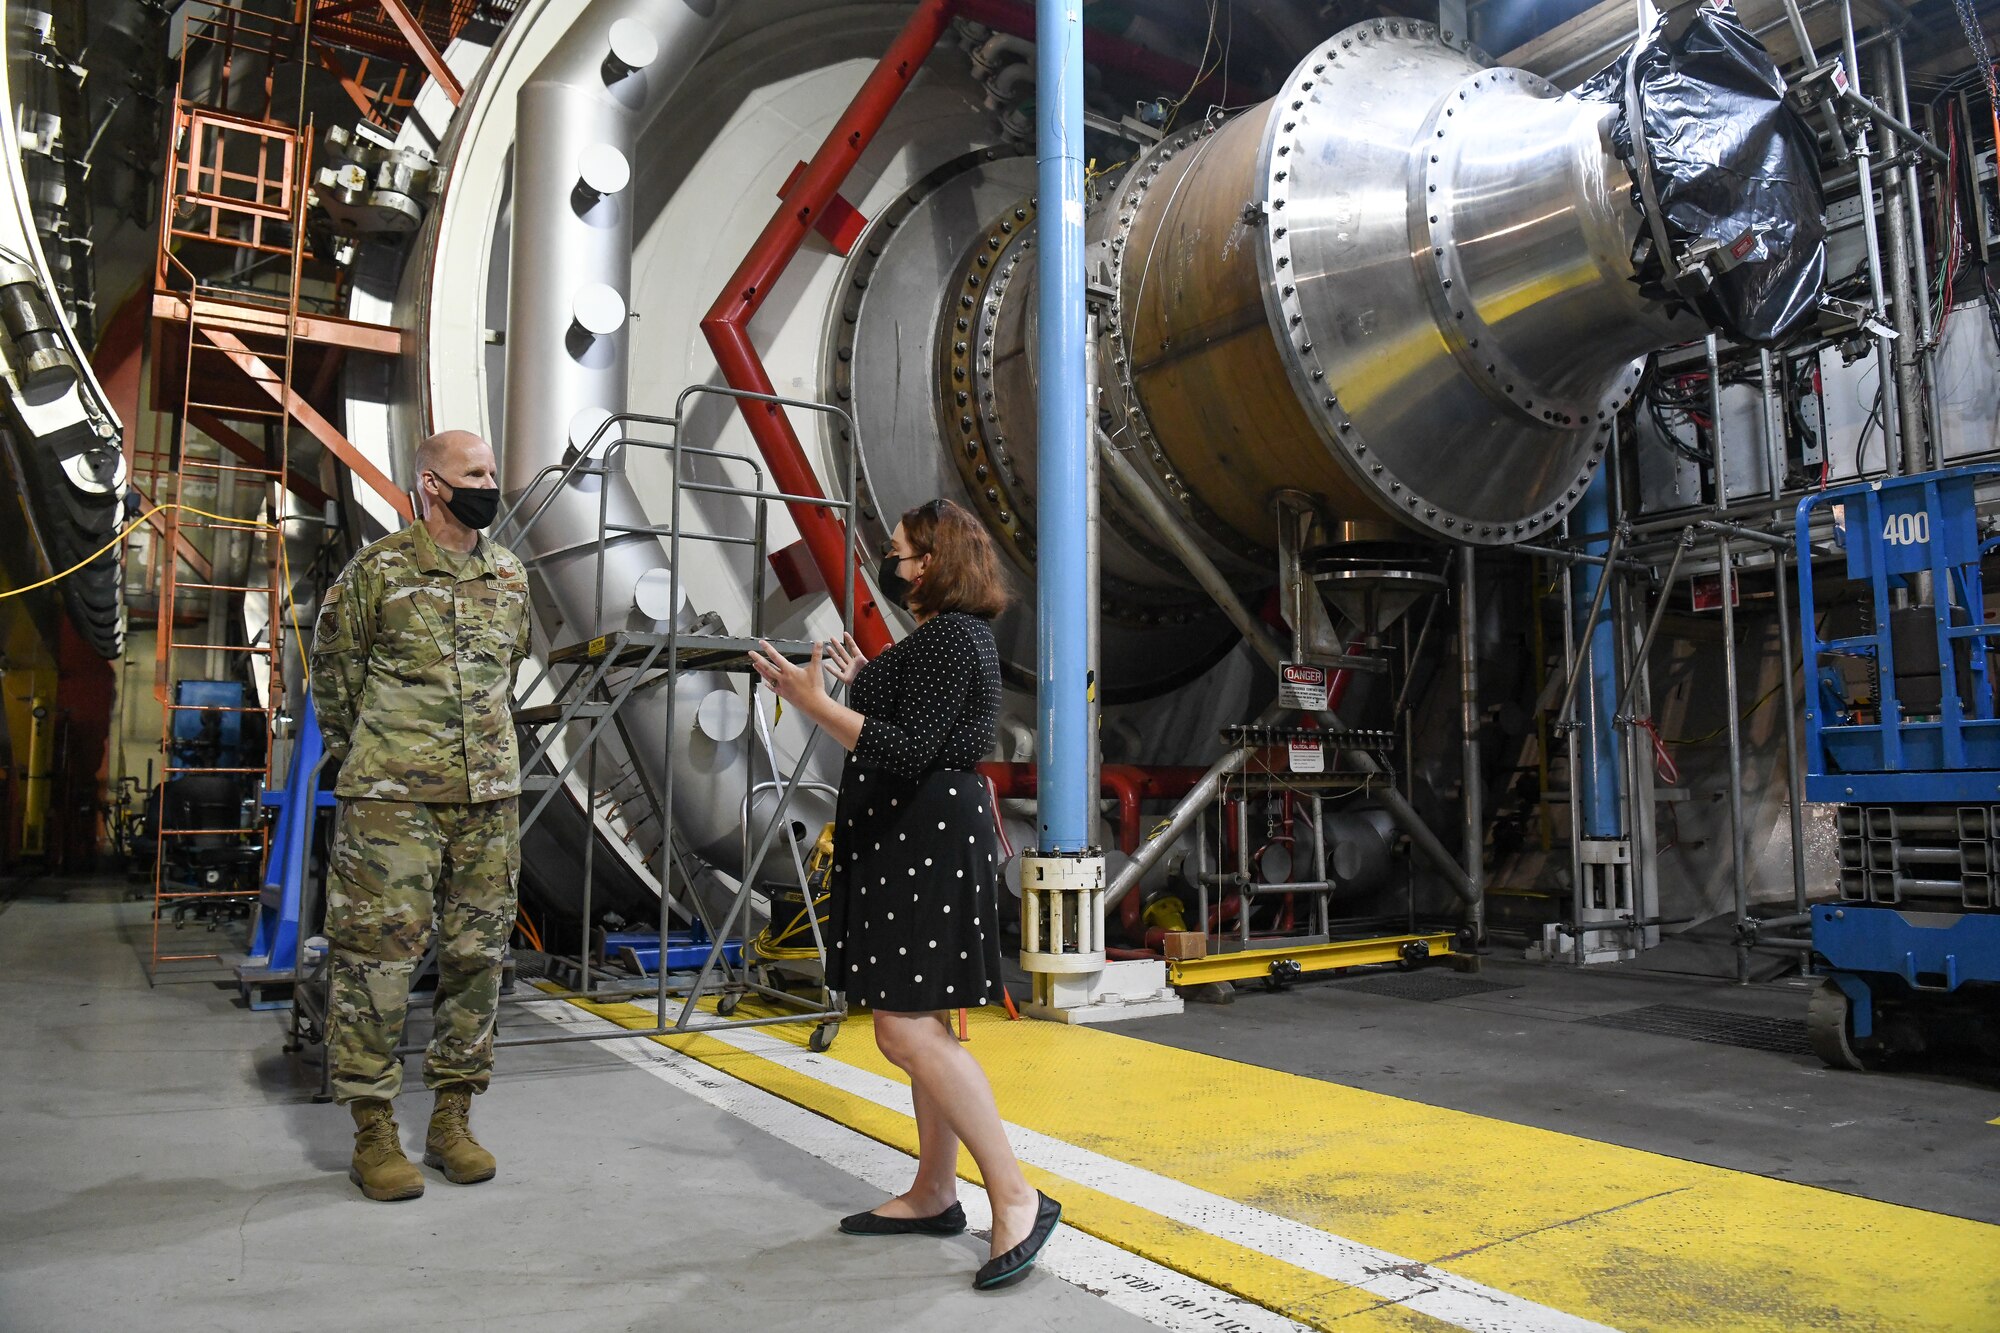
{"x":1062,"y":512}
{"x":1604,"y":756}
{"x":277,"y":935}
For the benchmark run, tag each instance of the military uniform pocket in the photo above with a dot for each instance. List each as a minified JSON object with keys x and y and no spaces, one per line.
{"x":513,"y":618}
{"x":415,"y":631}
{"x":500,"y":620}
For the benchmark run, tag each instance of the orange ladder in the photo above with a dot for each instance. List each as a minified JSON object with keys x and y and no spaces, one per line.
{"x":232,"y":247}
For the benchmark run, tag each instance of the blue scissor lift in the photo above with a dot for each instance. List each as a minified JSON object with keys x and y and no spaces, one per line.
{"x":1906,"y":741}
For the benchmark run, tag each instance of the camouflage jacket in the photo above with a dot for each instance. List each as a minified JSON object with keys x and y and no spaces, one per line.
{"x":413,"y":671}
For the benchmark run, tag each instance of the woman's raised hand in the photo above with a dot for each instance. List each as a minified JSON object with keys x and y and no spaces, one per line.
{"x":845,"y":658}
{"x":796,"y":685}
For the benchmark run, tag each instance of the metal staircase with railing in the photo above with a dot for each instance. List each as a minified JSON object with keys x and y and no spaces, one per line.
{"x":577,"y":730}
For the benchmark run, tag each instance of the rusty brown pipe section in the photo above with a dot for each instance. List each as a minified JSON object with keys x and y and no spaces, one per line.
{"x":1201,"y":355}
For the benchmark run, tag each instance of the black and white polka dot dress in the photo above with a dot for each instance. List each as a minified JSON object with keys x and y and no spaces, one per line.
{"x":914,"y":920}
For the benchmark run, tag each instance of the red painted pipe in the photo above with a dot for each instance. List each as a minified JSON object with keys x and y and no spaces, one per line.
{"x":825,"y":536}
{"x":1131,"y":784}
{"x":1127,"y":792}
{"x":1169,"y":782}
{"x":726,"y":324}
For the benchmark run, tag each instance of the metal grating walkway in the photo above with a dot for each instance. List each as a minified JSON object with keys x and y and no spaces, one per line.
{"x":1752,"y":1032}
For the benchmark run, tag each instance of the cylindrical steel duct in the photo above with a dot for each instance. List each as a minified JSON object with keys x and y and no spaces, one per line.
{"x":579,"y":118}
{"x":1403,"y":286}
{"x":570,"y":274}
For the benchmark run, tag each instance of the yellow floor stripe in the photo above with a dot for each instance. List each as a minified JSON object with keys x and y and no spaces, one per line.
{"x":1631,"y":1239}
{"x":1268,"y":1282}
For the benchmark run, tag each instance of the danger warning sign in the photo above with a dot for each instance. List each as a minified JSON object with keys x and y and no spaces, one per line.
{"x":1303,"y":686}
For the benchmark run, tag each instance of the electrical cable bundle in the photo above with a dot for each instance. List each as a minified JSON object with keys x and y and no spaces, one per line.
{"x":1671,"y":399}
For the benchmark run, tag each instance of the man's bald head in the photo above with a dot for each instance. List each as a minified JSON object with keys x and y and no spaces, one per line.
{"x":447,"y":463}
{"x":452,"y":453}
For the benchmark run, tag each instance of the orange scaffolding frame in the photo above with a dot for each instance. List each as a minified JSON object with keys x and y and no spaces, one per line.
{"x":234,"y":201}
{"x":233,"y":358}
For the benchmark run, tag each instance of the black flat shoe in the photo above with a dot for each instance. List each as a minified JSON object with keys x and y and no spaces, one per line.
{"x":947,"y":1223}
{"x":1014,"y":1265}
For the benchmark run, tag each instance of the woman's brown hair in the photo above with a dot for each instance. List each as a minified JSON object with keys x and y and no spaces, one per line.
{"x":965,"y":566}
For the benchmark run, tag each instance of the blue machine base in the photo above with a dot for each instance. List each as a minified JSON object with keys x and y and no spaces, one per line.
{"x":1930,"y":951}
{"x":687,"y":950}
{"x":1932,"y":788}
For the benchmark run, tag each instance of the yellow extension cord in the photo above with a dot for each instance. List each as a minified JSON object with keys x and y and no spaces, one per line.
{"x":771,"y":943}
{"x":127,"y":531}
{"x":284,"y":564}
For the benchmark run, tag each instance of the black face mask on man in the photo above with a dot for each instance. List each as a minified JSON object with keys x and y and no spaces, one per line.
{"x":474,"y":506}
{"x":889,"y":576}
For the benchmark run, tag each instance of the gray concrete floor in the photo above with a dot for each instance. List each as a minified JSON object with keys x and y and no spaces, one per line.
{"x":1918,"y":1137}
{"x":164,"y":1168}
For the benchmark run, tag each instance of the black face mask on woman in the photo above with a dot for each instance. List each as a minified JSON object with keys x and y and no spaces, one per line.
{"x":474,"y":506}
{"x":889,"y":575}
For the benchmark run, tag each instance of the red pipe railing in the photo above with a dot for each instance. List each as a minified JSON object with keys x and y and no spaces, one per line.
{"x":726,"y":325}
{"x":1130,"y":783}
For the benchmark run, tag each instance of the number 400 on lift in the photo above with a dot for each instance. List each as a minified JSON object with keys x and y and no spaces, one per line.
{"x":1907,"y":529}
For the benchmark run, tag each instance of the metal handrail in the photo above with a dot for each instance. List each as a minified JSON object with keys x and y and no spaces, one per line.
{"x":608,"y":462}
{"x":847,"y":506}
{"x":1813,"y":648}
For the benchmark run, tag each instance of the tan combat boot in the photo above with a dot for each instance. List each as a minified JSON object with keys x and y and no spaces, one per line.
{"x":379,"y":1167}
{"x":450,"y":1147}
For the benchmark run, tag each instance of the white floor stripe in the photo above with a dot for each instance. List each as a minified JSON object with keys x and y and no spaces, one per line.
{"x":1391,"y":1278}
{"x":1153,"y":1292}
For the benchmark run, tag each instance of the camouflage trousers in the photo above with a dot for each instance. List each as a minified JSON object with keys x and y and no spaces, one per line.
{"x":405,"y":873}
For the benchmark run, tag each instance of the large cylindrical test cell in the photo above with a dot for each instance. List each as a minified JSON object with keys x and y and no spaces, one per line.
{"x":1402,"y":286}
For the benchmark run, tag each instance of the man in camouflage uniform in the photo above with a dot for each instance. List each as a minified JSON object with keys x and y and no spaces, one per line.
{"x":413,"y":662}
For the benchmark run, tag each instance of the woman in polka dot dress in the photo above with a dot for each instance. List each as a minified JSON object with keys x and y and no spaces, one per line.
{"x":914,"y":922}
